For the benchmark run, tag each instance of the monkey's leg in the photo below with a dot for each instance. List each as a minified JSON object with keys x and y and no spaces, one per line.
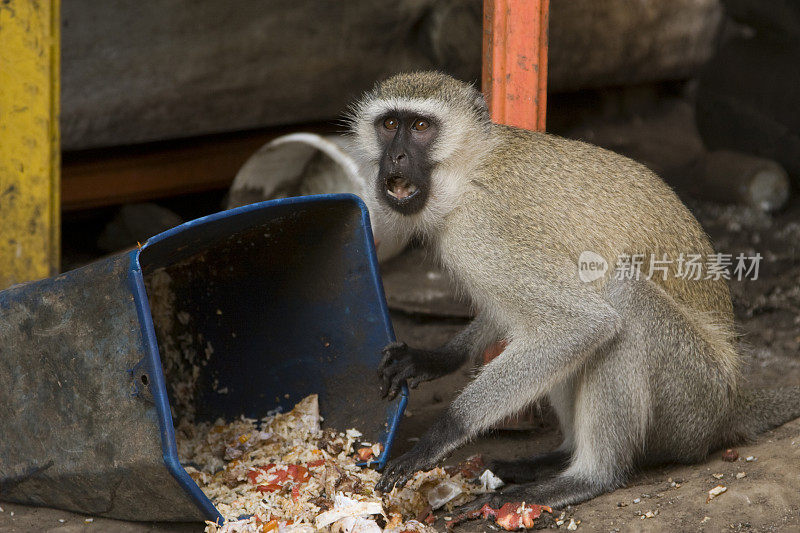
{"x":547,"y":464}
{"x":610,"y":423}
{"x":638,"y":399}
{"x":562,"y":400}
{"x":528,"y":469}
{"x":535,"y":360}
{"x":401,"y":363}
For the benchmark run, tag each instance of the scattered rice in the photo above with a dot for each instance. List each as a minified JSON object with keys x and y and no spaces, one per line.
{"x":285,"y":474}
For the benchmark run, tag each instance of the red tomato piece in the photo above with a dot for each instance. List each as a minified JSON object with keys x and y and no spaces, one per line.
{"x":280,"y":476}
{"x":253,"y":474}
{"x":299,"y":473}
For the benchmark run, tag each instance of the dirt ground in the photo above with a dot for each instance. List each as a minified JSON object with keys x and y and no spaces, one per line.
{"x":765,"y":498}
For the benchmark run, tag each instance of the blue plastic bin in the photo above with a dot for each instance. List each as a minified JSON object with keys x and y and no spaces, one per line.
{"x":277,"y":300}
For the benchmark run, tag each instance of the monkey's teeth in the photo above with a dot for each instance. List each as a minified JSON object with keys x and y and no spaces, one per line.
{"x":401,"y":189}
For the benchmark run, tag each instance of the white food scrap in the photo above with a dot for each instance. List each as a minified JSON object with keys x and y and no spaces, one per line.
{"x":427,"y":491}
{"x":489,"y":481}
{"x":344,"y":507}
{"x":716,"y":491}
{"x":284,"y":474}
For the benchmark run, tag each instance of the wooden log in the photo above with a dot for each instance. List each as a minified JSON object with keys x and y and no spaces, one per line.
{"x":747,"y":101}
{"x":776,"y":19}
{"x":134,"y":174}
{"x":136,"y":72}
{"x":596,"y":43}
{"x":733,"y":177}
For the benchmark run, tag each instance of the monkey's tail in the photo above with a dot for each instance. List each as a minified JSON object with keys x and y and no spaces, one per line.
{"x":760,"y":410}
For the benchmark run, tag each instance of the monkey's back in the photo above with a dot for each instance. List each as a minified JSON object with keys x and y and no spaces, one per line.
{"x":565,"y":197}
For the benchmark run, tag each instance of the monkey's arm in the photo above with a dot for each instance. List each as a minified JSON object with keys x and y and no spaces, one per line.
{"x":536,"y":358}
{"x":401,"y":363}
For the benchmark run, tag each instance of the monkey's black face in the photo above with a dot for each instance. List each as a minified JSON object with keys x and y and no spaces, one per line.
{"x":404,"y":175}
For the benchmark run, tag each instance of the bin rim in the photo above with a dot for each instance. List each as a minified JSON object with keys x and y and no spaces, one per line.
{"x":153,"y":357}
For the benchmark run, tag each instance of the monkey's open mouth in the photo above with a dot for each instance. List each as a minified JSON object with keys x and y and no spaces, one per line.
{"x":400,"y":188}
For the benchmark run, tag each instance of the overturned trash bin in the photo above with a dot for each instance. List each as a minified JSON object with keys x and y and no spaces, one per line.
{"x":245,"y":311}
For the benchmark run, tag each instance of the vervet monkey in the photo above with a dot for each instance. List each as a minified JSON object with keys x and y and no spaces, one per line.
{"x":638,"y":371}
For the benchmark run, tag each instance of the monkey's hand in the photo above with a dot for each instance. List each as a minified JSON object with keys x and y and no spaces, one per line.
{"x":444,"y":436}
{"x":400,"y":470}
{"x":401,"y":363}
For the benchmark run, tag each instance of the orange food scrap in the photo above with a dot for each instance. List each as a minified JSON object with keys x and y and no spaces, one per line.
{"x":730,"y":455}
{"x":516,"y":515}
{"x":511,"y":516}
{"x":472,"y":466}
{"x":365,"y":453}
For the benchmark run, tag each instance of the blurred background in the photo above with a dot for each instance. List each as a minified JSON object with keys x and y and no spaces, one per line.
{"x":165,"y":110}
{"x":161,"y":104}
{"x":168,"y":109}
{"x":172,"y":110}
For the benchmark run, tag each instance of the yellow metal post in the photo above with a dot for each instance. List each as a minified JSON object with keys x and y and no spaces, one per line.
{"x":29,"y":141}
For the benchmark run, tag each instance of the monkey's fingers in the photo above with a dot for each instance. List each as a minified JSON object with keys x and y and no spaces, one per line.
{"x":396,"y":478}
{"x":414,"y":382}
{"x":384,"y":484}
{"x":390,"y":353}
{"x":387,"y":377}
{"x":387,"y":360}
{"x":397,"y":381}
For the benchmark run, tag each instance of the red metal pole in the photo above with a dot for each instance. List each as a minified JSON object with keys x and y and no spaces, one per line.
{"x":515,"y":86}
{"x":515,"y":61}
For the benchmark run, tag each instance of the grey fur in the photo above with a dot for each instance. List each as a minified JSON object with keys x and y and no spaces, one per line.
{"x":639,"y":371}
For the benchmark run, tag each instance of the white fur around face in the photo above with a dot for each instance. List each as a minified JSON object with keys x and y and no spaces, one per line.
{"x":459,"y":147}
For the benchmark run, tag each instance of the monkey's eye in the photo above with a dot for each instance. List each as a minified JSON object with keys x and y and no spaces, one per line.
{"x":390,"y":123}
{"x":420,"y":124}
